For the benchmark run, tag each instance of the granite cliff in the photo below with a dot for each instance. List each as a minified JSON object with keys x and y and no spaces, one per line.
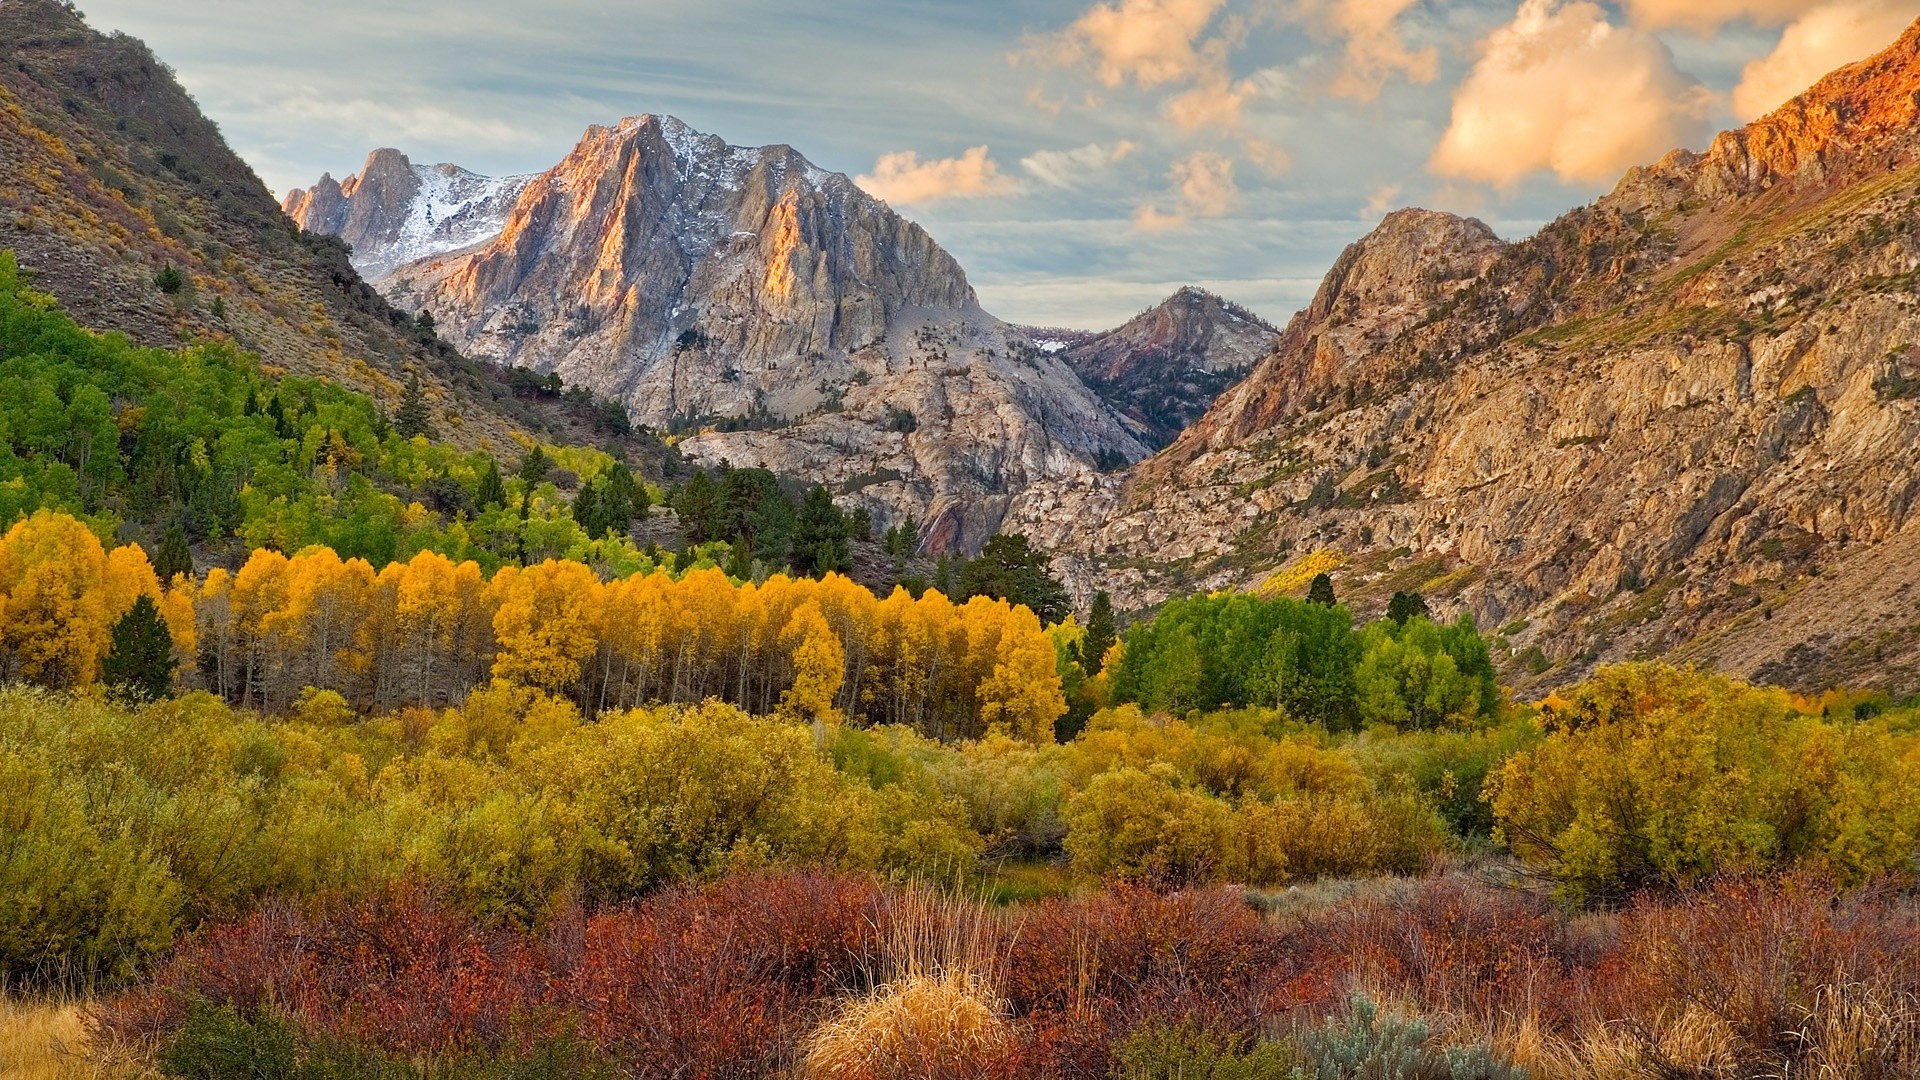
{"x":769,"y":311}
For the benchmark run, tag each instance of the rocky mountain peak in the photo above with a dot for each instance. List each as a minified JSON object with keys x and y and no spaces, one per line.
{"x":393,"y":211}
{"x":1166,"y":366}
{"x":1382,"y":286}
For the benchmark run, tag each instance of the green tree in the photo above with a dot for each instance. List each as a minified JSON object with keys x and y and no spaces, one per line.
{"x":1321,"y":591}
{"x":820,"y":536}
{"x":492,"y":490}
{"x":697,"y":502}
{"x":169,"y":281}
{"x":1010,"y":568}
{"x":754,"y":509}
{"x":1407,"y":605}
{"x":535,"y":466}
{"x":139,"y":666}
{"x":174,"y":556}
{"x":413,"y":417}
{"x":1101,"y":633}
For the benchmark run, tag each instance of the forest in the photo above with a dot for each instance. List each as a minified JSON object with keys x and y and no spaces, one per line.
{"x":330,"y":750}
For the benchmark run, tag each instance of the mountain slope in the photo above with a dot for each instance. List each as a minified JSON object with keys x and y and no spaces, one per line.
{"x":777,"y":314}
{"x":1167,"y":365}
{"x":109,"y":175}
{"x":1641,"y":431}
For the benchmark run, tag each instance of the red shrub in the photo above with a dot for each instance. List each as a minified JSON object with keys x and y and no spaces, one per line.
{"x":723,"y":981}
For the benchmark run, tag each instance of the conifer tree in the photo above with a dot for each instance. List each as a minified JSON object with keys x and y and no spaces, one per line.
{"x":139,"y":666}
{"x":413,"y":417}
{"x":1101,"y":633}
{"x":174,"y":556}
{"x":1406,"y":606}
{"x":535,"y":466}
{"x":820,"y":536}
{"x":492,"y":490}
{"x":1321,"y":591}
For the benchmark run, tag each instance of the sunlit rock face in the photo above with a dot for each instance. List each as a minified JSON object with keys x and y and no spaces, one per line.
{"x":770,"y":310}
{"x":1681,"y":421}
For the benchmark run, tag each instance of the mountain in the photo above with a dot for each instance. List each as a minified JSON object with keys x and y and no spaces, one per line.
{"x":110,"y":175}
{"x":1679,"y":421}
{"x":1167,"y":365}
{"x":769,"y":310}
{"x":393,"y":211}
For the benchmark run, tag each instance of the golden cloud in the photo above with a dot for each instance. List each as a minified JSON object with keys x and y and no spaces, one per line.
{"x":1203,"y":187}
{"x":902,"y":178}
{"x":1707,"y":15}
{"x":1561,"y":89}
{"x":1828,"y":37}
{"x":1375,"y":49}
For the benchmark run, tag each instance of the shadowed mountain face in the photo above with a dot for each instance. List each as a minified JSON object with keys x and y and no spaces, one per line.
{"x":109,"y":175}
{"x":1167,"y":365}
{"x":771,"y":311}
{"x":1678,"y":420}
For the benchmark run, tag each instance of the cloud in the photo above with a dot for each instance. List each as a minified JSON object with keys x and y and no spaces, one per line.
{"x":1383,"y":200}
{"x":1150,"y":42}
{"x":1826,"y":38}
{"x":1215,"y":101}
{"x":1069,"y":168}
{"x":1269,"y":156}
{"x":1709,"y":15}
{"x":902,"y":178}
{"x":1376,"y":51}
{"x":1203,"y":187}
{"x":1562,"y":89}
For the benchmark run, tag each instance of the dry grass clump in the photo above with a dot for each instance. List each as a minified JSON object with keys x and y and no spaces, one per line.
{"x":53,"y":1040}
{"x":948,"y":1025}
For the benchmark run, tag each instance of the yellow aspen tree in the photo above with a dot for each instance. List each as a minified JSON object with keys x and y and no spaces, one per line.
{"x":545,"y":622}
{"x":819,"y":664}
{"x":58,"y":614}
{"x":259,"y":593}
{"x":324,"y":619}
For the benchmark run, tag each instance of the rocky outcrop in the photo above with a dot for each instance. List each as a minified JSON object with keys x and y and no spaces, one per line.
{"x":1676,"y":422}
{"x":1166,"y":366}
{"x":767,"y":310}
{"x":393,"y":211}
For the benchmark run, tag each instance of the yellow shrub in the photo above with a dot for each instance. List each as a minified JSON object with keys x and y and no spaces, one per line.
{"x":949,"y":1024}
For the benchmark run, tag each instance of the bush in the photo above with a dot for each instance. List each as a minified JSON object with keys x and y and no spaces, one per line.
{"x":216,"y":1043}
{"x":1186,"y":1052}
{"x":1658,"y":776}
{"x":1371,"y":1045}
{"x":950,"y":1025}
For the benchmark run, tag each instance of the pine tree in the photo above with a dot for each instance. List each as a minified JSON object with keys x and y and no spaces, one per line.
{"x":140,"y":665}
{"x":535,"y":466}
{"x":1407,"y":606}
{"x":1012,"y":569}
{"x":1321,"y":591}
{"x":697,"y":502}
{"x":820,"y":536}
{"x":493,"y":490}
{"x":413,"y":417}
{"x":1101,"y":633}
{"x":174,"y":556}
{"x":588,"y":510}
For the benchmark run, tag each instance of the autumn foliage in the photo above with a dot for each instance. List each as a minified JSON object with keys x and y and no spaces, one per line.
{"x":803,"y":971}
{"x":428,"y":631}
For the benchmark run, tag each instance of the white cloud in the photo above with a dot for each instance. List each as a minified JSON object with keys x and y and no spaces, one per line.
{"x":1070,"y":168}
{"x":1824,"y":39}
{"x":1561,"y":89}
{"x":1150,"y":42}
{"x":902,"y":178}
{"x":1203,"y":187}
{"x":1375,"y":49}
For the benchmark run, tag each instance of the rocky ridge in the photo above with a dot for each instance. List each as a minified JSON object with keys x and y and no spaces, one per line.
{"x":393,"y":211}
{"x":1650,"y":429}
{"x":1167,"y":365}
{"x":109,"y":173}
{"x":773,"y":314}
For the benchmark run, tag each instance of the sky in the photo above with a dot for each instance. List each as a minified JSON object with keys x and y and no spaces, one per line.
{"x":1081,"y":159}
